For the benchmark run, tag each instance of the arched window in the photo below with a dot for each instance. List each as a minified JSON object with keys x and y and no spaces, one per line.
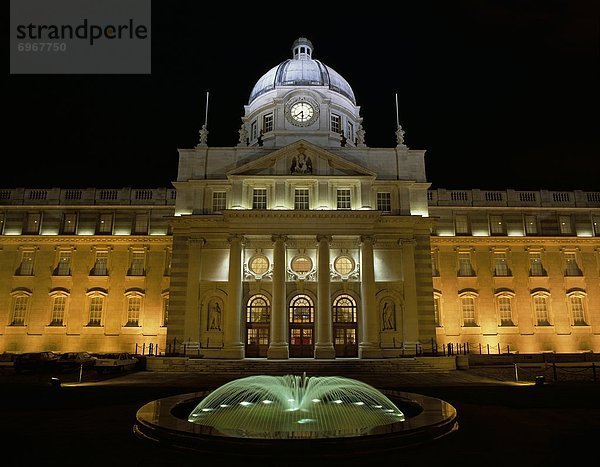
{"x":96,"y":298}
{"x":20,"y":305}
{"x":541,"y":309}
{"x":468,"y":302}
{"x":504,"y":306}
{"x":258,"y":309}
{"x":344,"y":309}
{"x":577,"y":307}
{"x":58,"y":312}
{"x":302,"y":309}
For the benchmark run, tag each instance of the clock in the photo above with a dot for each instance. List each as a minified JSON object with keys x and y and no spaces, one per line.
{"x":301,"y":112}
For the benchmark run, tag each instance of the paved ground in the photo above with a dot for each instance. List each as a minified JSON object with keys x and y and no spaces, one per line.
{"x":501,"y":421}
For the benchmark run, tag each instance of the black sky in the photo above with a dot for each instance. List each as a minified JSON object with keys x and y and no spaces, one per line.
{"x":501,"y":94}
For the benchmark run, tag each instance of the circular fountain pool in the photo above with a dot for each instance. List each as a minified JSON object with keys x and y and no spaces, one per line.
{"x":295,"y":413}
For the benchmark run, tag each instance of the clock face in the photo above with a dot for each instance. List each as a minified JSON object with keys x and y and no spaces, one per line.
{"x":302,"y":112}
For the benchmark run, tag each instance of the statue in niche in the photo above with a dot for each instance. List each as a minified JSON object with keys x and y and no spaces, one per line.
{"x":388,"y":317}
{"x":301,"y":165}
{"x":214,"y":316}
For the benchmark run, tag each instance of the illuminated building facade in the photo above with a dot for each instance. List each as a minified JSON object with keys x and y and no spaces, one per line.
{"x":301,"y":241}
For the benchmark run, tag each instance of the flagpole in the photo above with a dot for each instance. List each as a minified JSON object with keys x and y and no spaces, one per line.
{"x":397,"y":115}
{"x":206,"y":113}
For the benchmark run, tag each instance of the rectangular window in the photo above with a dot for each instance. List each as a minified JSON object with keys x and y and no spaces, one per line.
{"x":1,"y":223}
{"x":340,"y":336}
{"x":461,"y":224}
{"x":335,"y":123}
{"x":596,"y":225}
{"x":468,"y":311}
{"x":301,"y":198}
{"x":26,"y":267}
{"x":96,"y":307}
{"x":465,"y":269}
{"x":505,"y":311}
{"x":577,"y":310}
{"x":540,"y":306}
{"x":59,"y":304}
{"x":219,"y":201}
{"x":33,"y":222}
{"x":134,"y":305}
{"x":105,"y":224}
{"x":253,"y":130}
{"x":384,"y":202}
{"x":69,"y":224}
{"x":350,"y":131}
{"x":564,"y":223}
{"x":436,"y":310}
{"x":531,"y":227}
{"x":572,"y":269}
{"x":263,"y":336}
{"x":500,"y":265}
{"x":140,"y":225}
{"x":64,"y":264}
{"x":168,"y":259}
{"x":259,"y":198}
{"x":165,"y":311}
{"x":268,"y":122}
{"x":19,"y":310}
{"x":138,"y":259}
{"x":101,"y":265}
{"x":435,"y":266}
{"x":343,"y":198}
{"x":497,"y":225}
{"x":535,"y":265}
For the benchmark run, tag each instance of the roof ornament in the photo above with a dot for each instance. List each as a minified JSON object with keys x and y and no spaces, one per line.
{"x":360,"y":137}
{"x":203,"y":133}
{"x":244,"y":139}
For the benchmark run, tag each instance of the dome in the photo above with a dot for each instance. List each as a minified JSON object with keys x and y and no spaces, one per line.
{"x":302,"y":70}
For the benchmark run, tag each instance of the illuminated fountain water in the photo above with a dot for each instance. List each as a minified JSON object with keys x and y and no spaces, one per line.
{"x":319,"y":416}
{"x":295,"y":407}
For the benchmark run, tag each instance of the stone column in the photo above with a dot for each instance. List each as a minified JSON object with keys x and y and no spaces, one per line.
{"x":369,"y":343}
{"x":233,"y":345}
{"x":324,"y":344}
{"x":192,"y":305}
{"x":410,"y":311}
{"x":278,"y":345}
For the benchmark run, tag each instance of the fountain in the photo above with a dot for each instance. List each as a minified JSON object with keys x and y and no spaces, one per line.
{"x":292,"y":413}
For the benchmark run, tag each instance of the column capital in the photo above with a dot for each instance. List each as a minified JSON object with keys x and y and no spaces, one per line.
{"x":407,"y":242}
{"x":327,"y":238}
{"x":197,"y":241}
{"x":283,"y":238}
{"x":370,"y":239}
{"x":236,"y":238}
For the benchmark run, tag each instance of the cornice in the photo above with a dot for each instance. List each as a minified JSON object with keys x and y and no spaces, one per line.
{"x":515,"y":240}
{"x":87,"y":239}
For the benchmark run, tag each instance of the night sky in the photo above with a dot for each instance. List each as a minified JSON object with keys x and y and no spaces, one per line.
{"x":501,"y":94}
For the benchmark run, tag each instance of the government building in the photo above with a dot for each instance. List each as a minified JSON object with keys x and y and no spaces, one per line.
{"x":300,"y":241}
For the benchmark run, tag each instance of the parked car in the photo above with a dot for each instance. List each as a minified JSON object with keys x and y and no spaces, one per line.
{"x":72,"y":361}
{"x":7,"y":362}
{"x":35,"y":362}
{"x":115,"y":362}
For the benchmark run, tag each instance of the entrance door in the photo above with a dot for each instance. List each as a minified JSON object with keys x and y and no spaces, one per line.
{"x":302,"y":324}
{"x":258,"y":318}
{"x":345,"y":326}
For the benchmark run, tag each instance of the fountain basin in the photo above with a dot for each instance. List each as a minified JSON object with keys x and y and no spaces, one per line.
{"x":167,"y":422}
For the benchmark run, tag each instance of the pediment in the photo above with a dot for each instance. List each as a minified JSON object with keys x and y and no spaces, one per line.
{"x":301,"y":158}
